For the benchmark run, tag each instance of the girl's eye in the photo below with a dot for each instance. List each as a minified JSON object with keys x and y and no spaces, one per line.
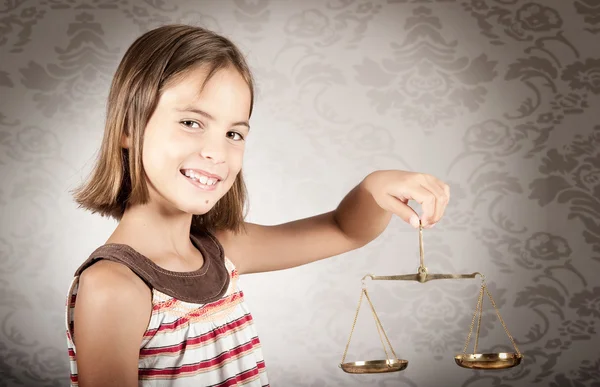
{"x":190,"y":124}
{"x":240,"y":137}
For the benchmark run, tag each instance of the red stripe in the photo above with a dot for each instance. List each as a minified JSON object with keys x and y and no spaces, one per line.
{"x":213,"y":334}
{"x":188,"y":368}
{"x":203,"y":311}
{"x":241,"y":377}
{"x":260,"y":364}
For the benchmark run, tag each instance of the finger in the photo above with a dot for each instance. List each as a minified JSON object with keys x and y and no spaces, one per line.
{"x":442,"y":191}
{"x":429,"y":219}
{"x":447,"y":190}
{"x":403,"y":210}
{"x":421,"y":195}
{"x":446,"y":199}
{"x":445,"y":187}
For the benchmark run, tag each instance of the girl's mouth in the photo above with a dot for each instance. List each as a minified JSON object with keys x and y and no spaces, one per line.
{"x":200,"y":181}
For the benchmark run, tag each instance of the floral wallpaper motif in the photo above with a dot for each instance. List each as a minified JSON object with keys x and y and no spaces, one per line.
{"x":425,"y":79}
{"x":498,"y":97}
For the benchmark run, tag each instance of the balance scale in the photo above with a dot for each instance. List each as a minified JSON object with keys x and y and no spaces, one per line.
{"x":482,"y":361}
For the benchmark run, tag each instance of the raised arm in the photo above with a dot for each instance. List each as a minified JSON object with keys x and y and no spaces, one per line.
{"x":112,"y":311}
{"x":360,"y":217}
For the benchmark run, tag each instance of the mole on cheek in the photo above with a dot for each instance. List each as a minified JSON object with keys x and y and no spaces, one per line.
{"x":206,"y":202}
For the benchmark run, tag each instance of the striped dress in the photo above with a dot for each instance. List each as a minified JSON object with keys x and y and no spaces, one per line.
{"x":200,"y":333}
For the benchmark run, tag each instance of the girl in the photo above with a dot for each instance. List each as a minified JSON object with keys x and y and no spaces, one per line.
{"x":158,"y":304}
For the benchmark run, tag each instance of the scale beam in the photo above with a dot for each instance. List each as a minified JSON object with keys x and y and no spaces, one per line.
{"x":422,"y":277}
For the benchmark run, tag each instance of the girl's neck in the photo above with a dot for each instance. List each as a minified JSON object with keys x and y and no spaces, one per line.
{"x":155,"y":232}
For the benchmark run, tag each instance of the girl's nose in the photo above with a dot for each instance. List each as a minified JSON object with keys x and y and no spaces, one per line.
{"x":213,"y":149}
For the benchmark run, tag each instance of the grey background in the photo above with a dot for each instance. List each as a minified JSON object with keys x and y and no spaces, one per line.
{"x":500,"y":98}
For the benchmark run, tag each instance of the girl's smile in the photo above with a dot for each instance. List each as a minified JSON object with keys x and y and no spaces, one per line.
{"x":201,"y":179}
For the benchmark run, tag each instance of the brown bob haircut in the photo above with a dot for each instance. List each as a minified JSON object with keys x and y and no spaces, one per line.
{"x":151,"y":63}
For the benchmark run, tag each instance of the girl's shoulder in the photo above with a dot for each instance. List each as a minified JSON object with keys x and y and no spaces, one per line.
{"x":110,"y":285}
{"x":110,"y":279}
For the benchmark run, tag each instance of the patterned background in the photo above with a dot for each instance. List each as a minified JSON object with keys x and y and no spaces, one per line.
{"x":500,"y":98}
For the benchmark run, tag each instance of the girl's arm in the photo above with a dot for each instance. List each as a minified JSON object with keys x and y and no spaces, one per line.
{"x":112,"y":311}
{"x":360,"y":217}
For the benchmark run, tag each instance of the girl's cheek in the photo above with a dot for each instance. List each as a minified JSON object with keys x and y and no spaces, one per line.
{"x":239,"y":157}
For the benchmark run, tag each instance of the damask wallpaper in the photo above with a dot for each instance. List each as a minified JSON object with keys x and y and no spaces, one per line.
{"x":500,"y":98}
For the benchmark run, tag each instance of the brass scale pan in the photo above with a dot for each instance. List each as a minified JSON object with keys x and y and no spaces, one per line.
{"x":482,"y":361}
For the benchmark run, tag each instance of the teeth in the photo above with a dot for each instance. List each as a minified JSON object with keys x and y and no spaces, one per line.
{"x":201,"y":178}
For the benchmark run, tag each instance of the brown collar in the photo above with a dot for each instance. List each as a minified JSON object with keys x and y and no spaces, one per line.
{"x":201,"y":286}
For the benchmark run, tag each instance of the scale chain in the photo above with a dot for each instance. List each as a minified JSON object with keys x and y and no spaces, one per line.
{"x":479,"y":310}
{"x":380,"y":326}
{"x":479,"y":320}
{"x":502,"y":322}
{"x":387,"y":355}
{"x":353,"y":325}
{"x":479,"y":302}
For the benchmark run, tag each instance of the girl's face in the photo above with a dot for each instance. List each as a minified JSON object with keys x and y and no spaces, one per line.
{"x":194,"y":141}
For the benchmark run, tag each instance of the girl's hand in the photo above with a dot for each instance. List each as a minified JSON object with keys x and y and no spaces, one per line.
{"x":393,"y":189}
